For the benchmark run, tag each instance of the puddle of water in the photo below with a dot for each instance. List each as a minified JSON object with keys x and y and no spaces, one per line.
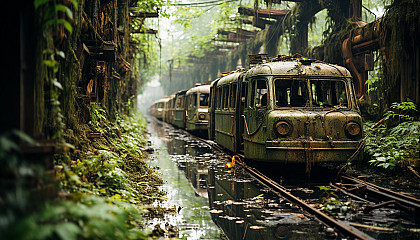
{"x":202,"y":189}
{"x":193,"y":219}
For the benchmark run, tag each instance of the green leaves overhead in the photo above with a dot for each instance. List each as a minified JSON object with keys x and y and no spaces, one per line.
{"x":186,"y":15}
{"x":52,"y":13}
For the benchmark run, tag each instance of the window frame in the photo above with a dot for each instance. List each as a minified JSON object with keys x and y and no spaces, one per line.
{"x":310,"y":93}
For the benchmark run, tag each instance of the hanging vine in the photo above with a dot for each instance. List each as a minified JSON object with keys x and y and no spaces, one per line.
{"x":56,"y":23}
{"x":400,"y":27}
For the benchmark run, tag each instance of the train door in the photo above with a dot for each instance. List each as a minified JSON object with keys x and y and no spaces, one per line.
{"x":254,"y":114}
{"x":192,"y":106}
{"x":211,"y":110}
{"x":241,"y":97}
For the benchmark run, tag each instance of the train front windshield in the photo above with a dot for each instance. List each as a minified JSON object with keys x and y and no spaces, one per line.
{"x":324,"y":93}
{"x":204,"y":99}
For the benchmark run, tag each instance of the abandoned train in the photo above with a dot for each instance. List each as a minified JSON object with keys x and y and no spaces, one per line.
{"x":280,"y":110}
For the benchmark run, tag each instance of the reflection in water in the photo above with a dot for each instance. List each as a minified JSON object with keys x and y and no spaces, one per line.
{"x":206,"y":190}
{"x":174,"y":153}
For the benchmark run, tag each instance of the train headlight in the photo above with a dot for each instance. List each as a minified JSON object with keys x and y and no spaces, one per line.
{"x":353,"y":128}
{"x":283,"y":128}
{"x":202,"y":116}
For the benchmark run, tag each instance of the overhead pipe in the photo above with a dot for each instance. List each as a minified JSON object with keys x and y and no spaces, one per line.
{"x":366,"y":39}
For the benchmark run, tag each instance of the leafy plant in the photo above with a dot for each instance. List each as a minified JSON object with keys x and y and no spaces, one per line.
{"x":90,"y":218}
{"x":52,"y":12}
{"x":57,"y":118}
{"x":13,"y":195}
{"x":398,"y":146}
{"x":98,"y":116}
{"x":371,"y":84}
{"x":331,"y":205}
{"x":401,"y":111}
{"x":105,"y":196}
{"x":57,"y":14}
{"x":335,"y":207}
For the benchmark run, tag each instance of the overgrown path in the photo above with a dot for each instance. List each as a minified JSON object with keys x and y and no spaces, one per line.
{"x":103,"y":185}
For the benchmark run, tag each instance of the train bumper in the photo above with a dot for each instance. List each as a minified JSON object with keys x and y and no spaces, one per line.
{"x":197,"y":126}
{"x":201,"y":125}
{"x":317,"y":151}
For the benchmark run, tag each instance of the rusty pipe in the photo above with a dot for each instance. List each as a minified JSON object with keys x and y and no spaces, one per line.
{"x":348,"y":58}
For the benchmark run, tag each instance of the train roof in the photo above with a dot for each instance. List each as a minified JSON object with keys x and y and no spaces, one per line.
{"x":201,"y":88}
{"x":290,"y":67}
{"x":298,"y":67}
{"x":229,"y":78}
{"x":181,"y":92}
{"x":165,"y":99}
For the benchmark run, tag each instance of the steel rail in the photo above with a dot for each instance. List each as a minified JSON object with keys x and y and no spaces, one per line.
{"x":339,"y":226}
{"x":388,"y":194}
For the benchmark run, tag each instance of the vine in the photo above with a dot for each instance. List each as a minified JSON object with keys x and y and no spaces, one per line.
{"x":56,"y":18}
{"x":399,"y":31}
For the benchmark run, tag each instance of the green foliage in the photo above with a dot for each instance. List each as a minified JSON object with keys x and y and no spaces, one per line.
{"x":226,"y":16}
{"x":335,"y":207}
{"x":103,"y":175}
{"x":98,"y":116}
{"x":115,"y":170}
{"x":90,"y":218}
{"x":13,"y":196}
{"x":371,"y":84}
{"x":394,"y":146}
{"x":202,"y":45}
{"x":397,"y":146}
{"x":401,"y":110}
{"x":153,"y":5}
{"x":52,"y":12}
{"x":331,"y":205}
{"x":56,"y":117}
{"x":55,"y":13}
{"x":186,"y":15}
{"x":399,"y":31}
{"x":104,"y":189}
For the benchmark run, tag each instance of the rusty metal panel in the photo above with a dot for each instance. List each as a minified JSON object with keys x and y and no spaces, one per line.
{"x":369,"y":62}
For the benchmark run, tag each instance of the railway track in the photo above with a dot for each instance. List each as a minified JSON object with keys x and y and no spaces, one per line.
{"x":370,"y":195}
{"x":283,"y":192}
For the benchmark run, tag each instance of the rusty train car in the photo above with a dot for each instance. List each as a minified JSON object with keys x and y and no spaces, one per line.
{"x":196,"y":108}
{"x":185,"y":109}
{"x":287,"y":110}
{"x":284,"y":109}
{"x":157,"y":109}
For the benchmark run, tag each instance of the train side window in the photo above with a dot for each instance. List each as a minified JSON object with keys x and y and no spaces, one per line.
{"x":190,"y":100}
{"x":220,"y":98}
{"x":226,"y":96}
{"x":282,"y":88}
{"x":251,"y":103}
{"x":233,"y":96}
{"x":194,"y":100}
{"x":260,"y":94}
{"x":217,"y":99}
{"x":211,"y":92}
{"x":244,"y":93}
